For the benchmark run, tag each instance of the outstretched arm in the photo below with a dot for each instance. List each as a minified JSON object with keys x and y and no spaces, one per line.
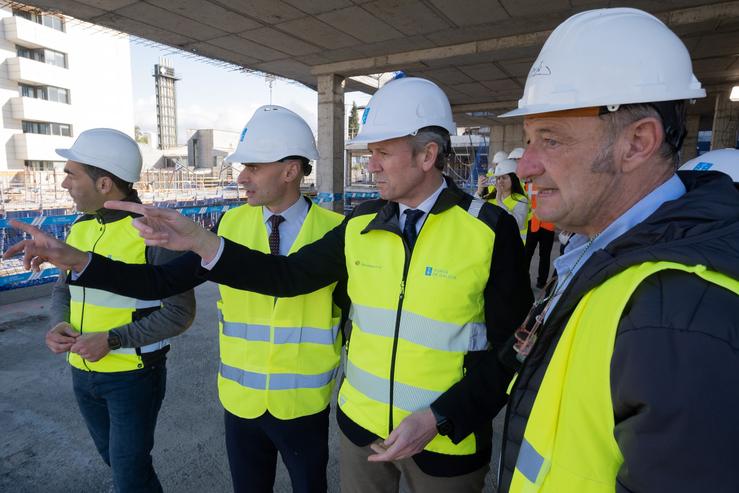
{"x":45,"y":248}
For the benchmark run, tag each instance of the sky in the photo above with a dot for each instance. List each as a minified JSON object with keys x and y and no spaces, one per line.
{"x":210,"y":96}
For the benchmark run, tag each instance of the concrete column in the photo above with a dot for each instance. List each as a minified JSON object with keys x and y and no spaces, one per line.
{"x":725,"y":122}
{"x":690,"y":144}
{"x":330,"y":168}
{"x":513,"y":136}
{"x":496,"y":140}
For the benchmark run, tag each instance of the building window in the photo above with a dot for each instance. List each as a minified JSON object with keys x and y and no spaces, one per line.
{"x":29,"y":53}
{"x":47,"y":128}
{"x":57,"y":58}
{"x":62,"y":129}
{"x":48,"y":93}
{"x":52,"y":21}
{"x":44,"y":55}
{"x":58,"y":94}
{"x":36,"y":165}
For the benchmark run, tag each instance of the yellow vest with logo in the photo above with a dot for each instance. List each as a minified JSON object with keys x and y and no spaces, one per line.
{"x":277,"y":354}
{"x":568,"y":443}
{"x":95,"y":310}
{"x":412,"y":330}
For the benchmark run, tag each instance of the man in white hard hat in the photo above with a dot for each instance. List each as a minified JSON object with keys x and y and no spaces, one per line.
{"x":722,"y":160}
{"x":279,"y":356}
{"x":630,"y":362}
{"x":116,"y":345}
{"x":437,"y":284}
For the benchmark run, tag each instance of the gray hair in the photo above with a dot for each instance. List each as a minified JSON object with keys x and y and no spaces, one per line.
{"x":437,"y":135}
{"x":627,"y":114}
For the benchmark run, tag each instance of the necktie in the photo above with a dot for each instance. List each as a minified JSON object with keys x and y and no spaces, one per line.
{"x":274,"y":236}
{"x":409,"y":230}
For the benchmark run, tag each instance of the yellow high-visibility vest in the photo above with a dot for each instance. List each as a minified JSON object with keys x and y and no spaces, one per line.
{"x":277,"y":354}
{"x":569,"y":443}
{"x":413,"y":324}
{"x":96,"y":310}
{"x":511,"y":202}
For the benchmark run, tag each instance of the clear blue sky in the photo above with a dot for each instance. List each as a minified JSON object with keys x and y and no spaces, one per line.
{"x":210,"y":96}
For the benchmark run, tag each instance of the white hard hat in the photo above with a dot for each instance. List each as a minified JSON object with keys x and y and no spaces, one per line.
{"x":499,"y":156}
{"x":274,"y":133}
{"x":516,"y":153}
{"x":402,"y":107}
{"x":506,"y":166}
{"x":107,"y":149}
{"x":723,"y":160}
{"x":608,"y":57}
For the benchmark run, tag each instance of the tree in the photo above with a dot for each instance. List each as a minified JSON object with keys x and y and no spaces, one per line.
{"x":353,"y":121}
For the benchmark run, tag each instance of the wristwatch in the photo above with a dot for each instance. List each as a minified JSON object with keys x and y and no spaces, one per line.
{"x":443,"y":426}
{"x":114,"y":342}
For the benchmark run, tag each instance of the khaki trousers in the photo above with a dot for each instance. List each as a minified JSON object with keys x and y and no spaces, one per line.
{"x":360,"y":476}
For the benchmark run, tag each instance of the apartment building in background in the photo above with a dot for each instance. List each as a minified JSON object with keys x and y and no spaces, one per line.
{"x":58,"y":77}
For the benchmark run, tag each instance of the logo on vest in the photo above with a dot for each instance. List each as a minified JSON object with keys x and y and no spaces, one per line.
{"x":359,"y":263}
{"x":438,"y":273}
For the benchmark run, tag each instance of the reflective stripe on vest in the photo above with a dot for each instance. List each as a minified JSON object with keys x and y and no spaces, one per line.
{"x":283,"y":335}
{"x":106,"y":299}
{"x":95,"y":310}
{"x":421,"y":330}
{"x":405,"y":397}
{"x":569,"y":442}
{"x":277,"y":381}
{"x":421,"y":337}
{"x":277,"y":354}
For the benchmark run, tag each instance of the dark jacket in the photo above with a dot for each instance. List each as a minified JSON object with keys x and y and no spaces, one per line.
{"x":507,"y":295}
{"x":675,"y":365}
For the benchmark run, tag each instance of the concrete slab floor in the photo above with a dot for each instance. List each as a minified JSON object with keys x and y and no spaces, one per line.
{"x":45,"y":447}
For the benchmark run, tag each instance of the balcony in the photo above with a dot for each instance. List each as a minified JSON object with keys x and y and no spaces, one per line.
{"x":37,"y":73}
{"x":31,"y":147}
{"x":32,"y":35}
{"x":40,"y":110}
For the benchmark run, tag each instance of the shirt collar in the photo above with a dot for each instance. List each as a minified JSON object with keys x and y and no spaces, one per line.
{"x":292,"y":213}
{"x":427,"y":204}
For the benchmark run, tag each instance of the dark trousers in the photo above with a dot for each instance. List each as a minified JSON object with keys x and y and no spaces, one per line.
{"x":252,"y":446}
{"x":120,"y":410}
{"x":545,"y":239}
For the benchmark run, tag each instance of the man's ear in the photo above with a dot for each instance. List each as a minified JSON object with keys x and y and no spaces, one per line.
{"x":640,"y":143}
{"x":104,"y":184}
{"x":292,"y":171}
{"x":428,"y":155}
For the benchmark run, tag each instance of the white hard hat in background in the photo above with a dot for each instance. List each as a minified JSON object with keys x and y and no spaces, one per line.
{"x":506,"y":166}
{"x":402,"y":107}
{"x":499,"y":156}
{"x":107,"y":149}
{"x":608,"y":57}
{"x":516,"y":153}
{"x":274,"y":133}
{"x":723,"y":160}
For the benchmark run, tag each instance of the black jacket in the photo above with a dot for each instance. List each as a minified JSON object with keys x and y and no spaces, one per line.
{"x":507,"y":296}
{"x":675,"y":365}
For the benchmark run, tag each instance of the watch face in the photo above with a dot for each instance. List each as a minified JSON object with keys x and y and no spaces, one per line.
{"x":114,"y":342}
